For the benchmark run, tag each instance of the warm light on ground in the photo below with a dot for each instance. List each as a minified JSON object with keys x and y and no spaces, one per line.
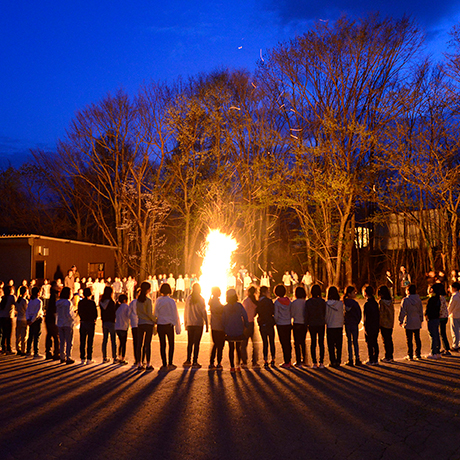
{"x":217,"y":262}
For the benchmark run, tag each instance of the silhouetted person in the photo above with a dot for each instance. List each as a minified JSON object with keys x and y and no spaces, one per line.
{"x":87,"y":311}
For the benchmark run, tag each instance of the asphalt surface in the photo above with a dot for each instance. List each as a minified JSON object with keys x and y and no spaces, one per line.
{"x":404,"y":410}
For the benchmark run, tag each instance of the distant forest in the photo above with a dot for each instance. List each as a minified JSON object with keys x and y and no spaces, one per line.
{"x":337,"y":133}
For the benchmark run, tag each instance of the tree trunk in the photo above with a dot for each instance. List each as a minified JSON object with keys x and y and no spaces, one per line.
{"x":348,"y":254}
{"x":187,"y":262}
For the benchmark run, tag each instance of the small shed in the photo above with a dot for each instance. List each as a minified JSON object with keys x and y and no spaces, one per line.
{"x":39,"y":257}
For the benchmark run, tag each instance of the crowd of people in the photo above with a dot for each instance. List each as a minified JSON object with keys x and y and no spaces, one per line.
{"x":293,"y":313}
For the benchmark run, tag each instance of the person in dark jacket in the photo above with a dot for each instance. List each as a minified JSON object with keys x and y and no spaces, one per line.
{"x":371,"y":325}
{"x":265,"y":317}
{"x":352,"y":319}
{"x":315,"y":321}
{"x":234,"y":319}
{"x":7,"y":305}
{"x":87,"y":311}
{"x":107,"y":306}
{"x":52,"y":331}
{"x":432,"y":314}
{"x":217,"y":328}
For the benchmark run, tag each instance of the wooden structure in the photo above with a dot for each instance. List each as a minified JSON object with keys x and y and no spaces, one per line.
{"x":39,"y":257}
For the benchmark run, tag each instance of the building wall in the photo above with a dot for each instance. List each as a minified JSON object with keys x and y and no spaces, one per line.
{"x":55,"y":256}
{"x":63,"y":254}
{"x":400,"y":232}
{"x":15,"y":260}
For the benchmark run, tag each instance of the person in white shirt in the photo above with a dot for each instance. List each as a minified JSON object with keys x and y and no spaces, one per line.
{"x":101,"y":288}
{"x":167,"y":320}
{"x":152,"y":294}
{"x":247,"y":281}
{"x":130,"y":284}
{"x":187,"y":284}
{"x":96,"y":291}
{"x":180,"y":288}
{"x":45,"y":293}
{"x":76,"y":285}
{"x":287,"y":283}
{"x":89,"y":284}
{"x":307,"y":281}
{"x":122,"y":315}
{"x":265,"y":280}
{"x":294,"y":280}
{"x":117,"y":288}
{"x":172,"y":283}
{"x":34,"y":315}
{"x":231,"y":281}
{"x":155,"y":287}
{"x":454,"y":313}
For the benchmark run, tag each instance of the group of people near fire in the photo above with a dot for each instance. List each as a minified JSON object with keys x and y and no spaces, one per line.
{"x":293,"y":308}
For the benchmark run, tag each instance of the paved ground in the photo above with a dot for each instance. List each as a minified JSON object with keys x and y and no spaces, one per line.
{"x":406,"y":410}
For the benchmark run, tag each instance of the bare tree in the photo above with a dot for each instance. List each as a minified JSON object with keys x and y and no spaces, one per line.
{"x":225,"y":145}
{"x":115,"y":150}
{"x":423,"y":162}
{"x":339,"y":88}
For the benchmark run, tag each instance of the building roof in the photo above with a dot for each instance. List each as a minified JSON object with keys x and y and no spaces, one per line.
{"x":50,"y":238}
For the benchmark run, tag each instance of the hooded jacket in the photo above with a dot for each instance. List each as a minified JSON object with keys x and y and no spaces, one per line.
{"x":298,"y":311}
{"x":195,"y":312}
{"x":411,"y":314}
{"x":334,"y":313}
{"x":65,"y":314}
{"x":251,"y":308}
{"x":166,"y":312}
{"x":387,"y":313}
{"x":107,"y":310}
{"x":282,"y":311}
{"x":234,"y":319}
{"x":144,"y":312}
{"x":122,"y":317}
{"x":216,"y":309}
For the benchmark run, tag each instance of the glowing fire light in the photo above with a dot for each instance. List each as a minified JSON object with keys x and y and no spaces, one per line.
{"x":217,"y":262}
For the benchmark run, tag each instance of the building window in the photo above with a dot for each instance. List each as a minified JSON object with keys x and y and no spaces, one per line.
{"x":362,"y":237}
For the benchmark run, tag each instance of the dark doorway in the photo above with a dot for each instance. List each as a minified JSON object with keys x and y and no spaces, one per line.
{"x":40,"y":269}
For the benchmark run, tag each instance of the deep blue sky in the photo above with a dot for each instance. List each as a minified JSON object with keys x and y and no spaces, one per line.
{"x":57,"y":56}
